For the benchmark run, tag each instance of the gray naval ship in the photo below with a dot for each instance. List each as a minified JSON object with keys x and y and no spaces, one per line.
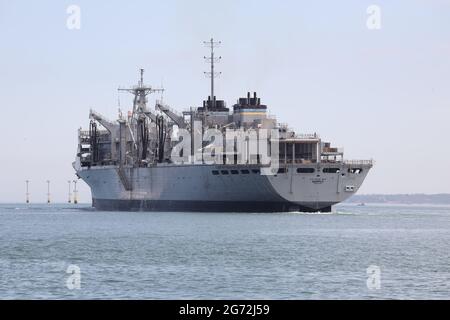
{"x":135,"y":162}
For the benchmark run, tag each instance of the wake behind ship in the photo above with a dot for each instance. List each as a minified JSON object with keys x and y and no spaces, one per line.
{"x":163,"y":160}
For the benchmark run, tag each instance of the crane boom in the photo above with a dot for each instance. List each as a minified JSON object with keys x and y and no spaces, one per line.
{"x":177,"y":118}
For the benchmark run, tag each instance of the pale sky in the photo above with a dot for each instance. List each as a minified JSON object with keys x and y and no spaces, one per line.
{"x":380,"y":94}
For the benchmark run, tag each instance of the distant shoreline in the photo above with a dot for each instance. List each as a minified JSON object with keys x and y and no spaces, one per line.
{"x":418,"y":198}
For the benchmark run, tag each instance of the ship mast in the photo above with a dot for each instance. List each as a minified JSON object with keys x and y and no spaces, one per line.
{"x":211,"y":44}
{"x":140,"y":92}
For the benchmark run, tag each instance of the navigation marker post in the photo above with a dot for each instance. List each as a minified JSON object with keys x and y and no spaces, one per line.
{"x":75,"y":192}
{"x":27,"y":194}
{"x":48,"y":191}
{"x":70,"y":194}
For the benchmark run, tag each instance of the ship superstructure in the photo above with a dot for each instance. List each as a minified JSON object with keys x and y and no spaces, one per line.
{"x":135,"y":162}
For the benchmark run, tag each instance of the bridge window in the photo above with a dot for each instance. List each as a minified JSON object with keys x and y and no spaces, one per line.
{"x":282,"y":170}
{"x":215,"y":172}
{"x":245,"y":171}
{"x":305,"y":170}
{"x":256,"y":171}
{"x":234,"y":172}
{"x":225,"y":172}
{"x":355,"y":170}
{"x":331,"y":170}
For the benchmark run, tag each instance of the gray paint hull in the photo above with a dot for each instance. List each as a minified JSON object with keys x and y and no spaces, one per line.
{"x":201,"y":206}
{"x":195,"y":188}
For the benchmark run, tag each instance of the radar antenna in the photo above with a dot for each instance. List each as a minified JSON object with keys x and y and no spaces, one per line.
{"x":140,"y":92}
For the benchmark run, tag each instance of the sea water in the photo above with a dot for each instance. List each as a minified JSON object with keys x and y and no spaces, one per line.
{"x":357,"y":252}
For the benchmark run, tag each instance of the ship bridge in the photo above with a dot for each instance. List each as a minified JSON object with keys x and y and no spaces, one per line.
{"x":300,"y":149}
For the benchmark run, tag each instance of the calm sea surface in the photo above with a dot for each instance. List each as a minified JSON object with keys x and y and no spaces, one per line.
{"x":137,"y":255}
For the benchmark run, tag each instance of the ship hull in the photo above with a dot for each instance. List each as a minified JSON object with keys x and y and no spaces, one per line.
{"x":203,"y":206}
{"x":205,"y":188}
